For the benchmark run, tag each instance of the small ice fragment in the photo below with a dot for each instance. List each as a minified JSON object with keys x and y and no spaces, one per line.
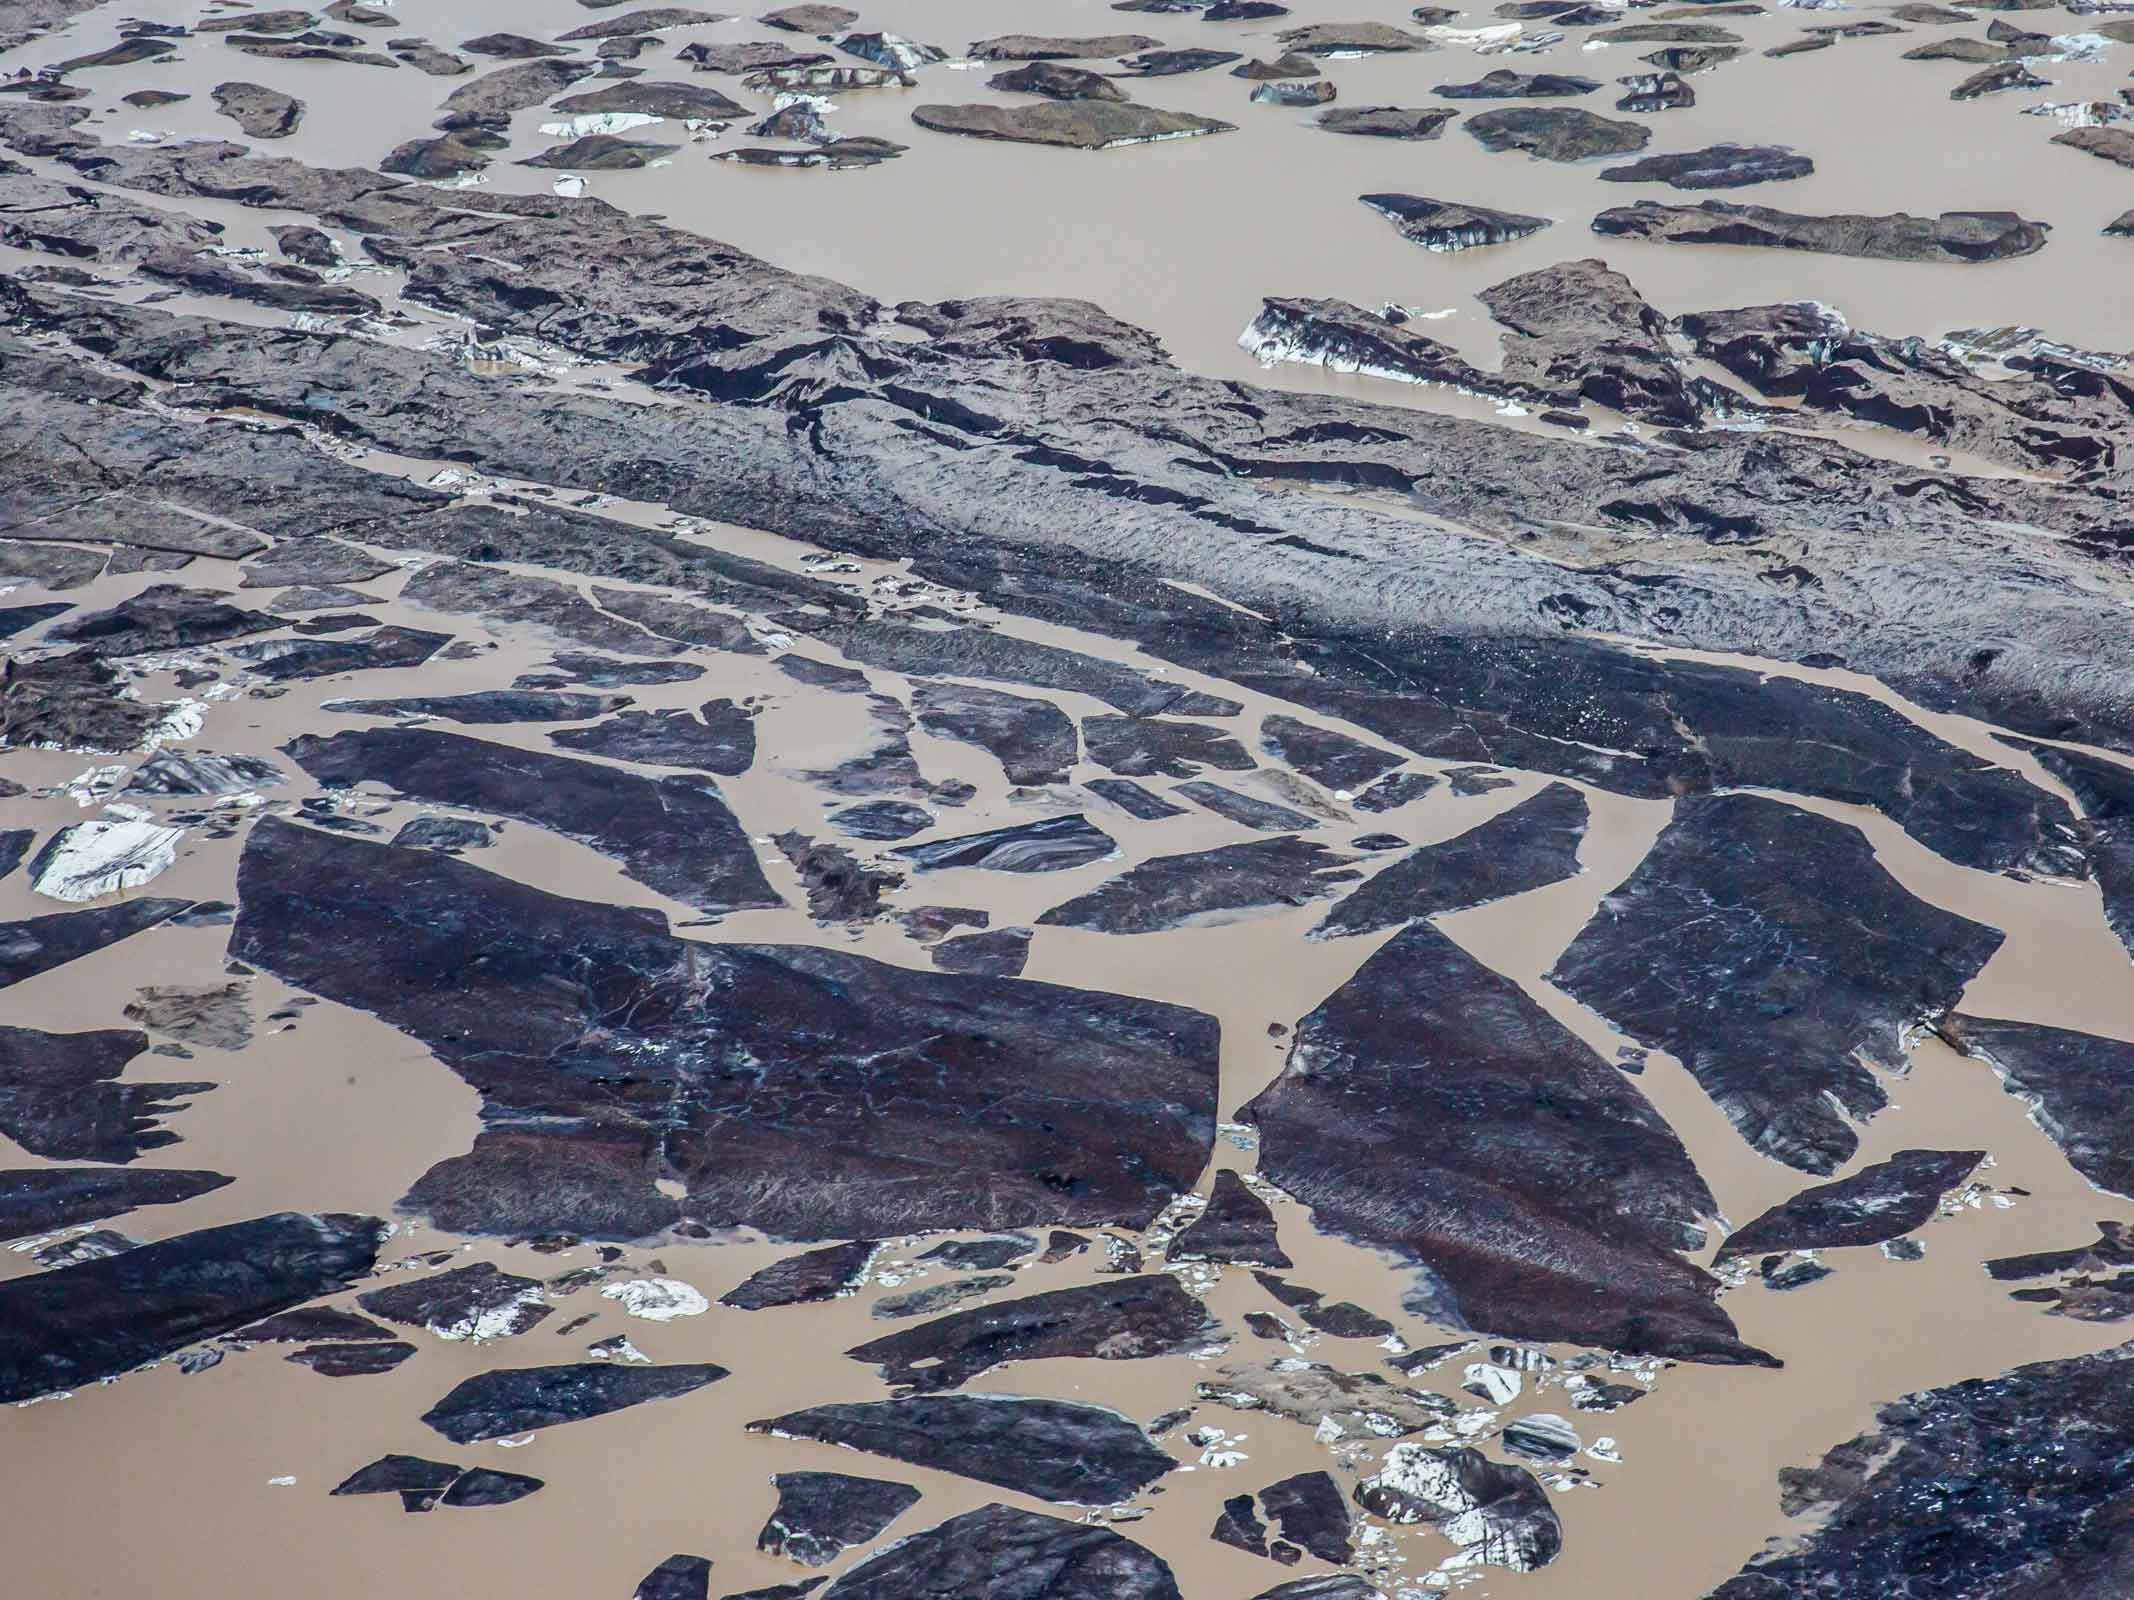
{"x":657,"y":1299}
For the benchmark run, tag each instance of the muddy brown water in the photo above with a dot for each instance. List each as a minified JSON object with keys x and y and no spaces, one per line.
{"x":340,"y":1112}
{"x":163,"y":1482}
{"x":1185,"y":237}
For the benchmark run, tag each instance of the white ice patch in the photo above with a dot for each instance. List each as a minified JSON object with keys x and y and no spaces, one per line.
{"x":1500,"y":1385}
{"x":1217,"y":1448}
{"x":2079,"y":113}
{"x":1272,"y":338}
{"x":1544,"y":1430}
{"x":1419,"y":1485}
{"x":2075,"y":47}
{"x":1195,"y":1277}
{"x":657,"y":1299}
{"x":1981,"y":348}
{"x":1158,"y":138}
{"x":1471,"y":1424}
{"x":95,"y":785}
{"x":181,"y":719}
{"x":454,"y":481}
{"x":1483,"y":41}
{"x":186,"y":774}
{"x":492,"y":1322}
{"x":894,"y":50}
{"x":97,"y":858}
{"x":1522,"y":1360}
{"x":569,"y":186}
{"x":597,"y":122}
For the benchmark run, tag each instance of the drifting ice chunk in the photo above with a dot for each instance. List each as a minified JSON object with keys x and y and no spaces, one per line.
{"x":657,"y":1299}
{"x":596,"y":122}
{"x":91,"y":859}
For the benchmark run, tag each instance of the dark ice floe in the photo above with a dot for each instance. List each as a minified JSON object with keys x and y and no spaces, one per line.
{"x":2075,"y":1085}
{"x":483,"y":706}
{"x":1207,"y":886}
{"x":1059,"y":1450}
{"x":38,"y":944}
{"x":1876,"y":1203}
{"x":39,"y":1199}
{"x":812,"y":1275}
{"x":1102,"y":1106}
{"x":1575,"y":1238}
{"x":1031,"y":738}
{"x":679,"y":1577}
{"x":1072,"y":124}
{"x":61,"y":1098}
{"x":674,"y":834}
{"x":1265,"y":816}
{"x":718,"y":737}
{"x":1004,"y":1553}
{"x":1236,"y":1226}
{"x":496,"y":1405}
{"x":1141,"y":747}
{"x":2039,"y":1453}
{"x":1332,"y":760}
{"x":1719,"y":166}
{"x":1116,"y":1320}
{"x":1773,"y":988}
{"x":1498,"y":1515}
{"x":73,"y":1326}
{"x":476,"y":1302}
{"x":1131,"y":798}
{"x":1533,"y":844}
{"x":820,"y":1515}
{"x":286,"y":660}
{"x":1056,"y":844}
{"x":1953,"y":236}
